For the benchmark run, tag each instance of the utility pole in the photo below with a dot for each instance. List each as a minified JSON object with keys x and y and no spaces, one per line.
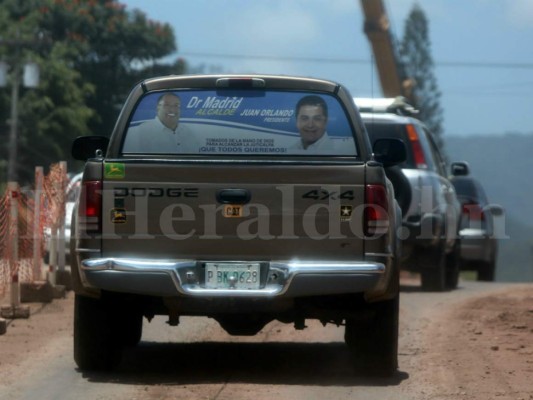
{"x":30,"y":80}
{"x":13,"y":123}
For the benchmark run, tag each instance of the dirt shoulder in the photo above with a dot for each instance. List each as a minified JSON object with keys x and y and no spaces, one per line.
{"x":26,"y":339}
{"x":481,"y":349}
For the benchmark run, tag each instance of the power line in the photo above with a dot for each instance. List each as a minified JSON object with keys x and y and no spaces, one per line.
{"x":524,"y":86}
{"x":460,"y":64}
{"x":278,"y":58}
{"x":474,"y":64}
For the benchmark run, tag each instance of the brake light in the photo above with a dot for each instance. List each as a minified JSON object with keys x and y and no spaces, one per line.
{"x":241,"y":83}
{"x":473,"y":211}
{"x":90,"y":210}
{"x":416,"y":146}
{"x":376,"y":210}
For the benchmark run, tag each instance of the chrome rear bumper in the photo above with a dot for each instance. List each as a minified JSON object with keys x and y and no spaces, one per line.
{"x":184,"y":278}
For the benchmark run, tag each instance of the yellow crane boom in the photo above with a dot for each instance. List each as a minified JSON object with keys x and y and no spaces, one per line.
{"x":393,"y":79}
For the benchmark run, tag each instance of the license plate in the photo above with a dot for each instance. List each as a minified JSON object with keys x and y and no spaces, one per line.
{"x":232,"y":275}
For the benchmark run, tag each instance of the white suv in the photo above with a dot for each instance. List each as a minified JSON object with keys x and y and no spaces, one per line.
{"x":431,"y":211}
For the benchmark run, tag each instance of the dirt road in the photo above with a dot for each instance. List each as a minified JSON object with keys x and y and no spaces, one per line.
{"x":475,"y":343}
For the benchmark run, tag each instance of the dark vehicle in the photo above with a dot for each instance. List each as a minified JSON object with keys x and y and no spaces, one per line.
{"x":479,"y":245}
{"x":431,"y":211}
{"x":236,"y":203}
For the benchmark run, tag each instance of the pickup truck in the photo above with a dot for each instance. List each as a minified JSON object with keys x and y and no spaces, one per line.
{"x":245,"y":199}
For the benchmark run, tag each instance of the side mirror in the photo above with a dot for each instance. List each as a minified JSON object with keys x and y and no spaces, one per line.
{"x":460,"y":168}
{"x":389,"y":151}
{"x":85,"y":147}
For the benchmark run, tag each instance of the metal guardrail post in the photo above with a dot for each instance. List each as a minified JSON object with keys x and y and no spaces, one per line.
{"x":37,"y":234}
{"x":61,"y":219}
{"x":14,"y":194}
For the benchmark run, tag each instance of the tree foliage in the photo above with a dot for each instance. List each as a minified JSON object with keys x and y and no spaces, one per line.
{"x":90,"y":54}
{"x":415,"y":50}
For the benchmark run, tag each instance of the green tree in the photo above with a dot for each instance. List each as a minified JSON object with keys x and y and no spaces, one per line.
{"x":415,"y":51}
{"x":90,"y":53}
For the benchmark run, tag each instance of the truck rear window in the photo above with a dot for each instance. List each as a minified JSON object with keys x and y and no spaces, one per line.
{"x":238,"y":122}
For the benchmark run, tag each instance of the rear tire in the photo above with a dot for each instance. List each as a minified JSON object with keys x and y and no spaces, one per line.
{"x":373,"y":342}
{"x":453,"y":266}
{"x":96,"y":341}
{"x":132,"y":327}
{"x":402,"y":187}
{"x":433,"y":270}
{"x":486,"y":271}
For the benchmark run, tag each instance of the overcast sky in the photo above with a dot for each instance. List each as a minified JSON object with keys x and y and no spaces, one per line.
{"x":483,"y":49}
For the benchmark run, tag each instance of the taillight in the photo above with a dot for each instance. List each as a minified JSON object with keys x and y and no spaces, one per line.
{"x":474,"y":211}
{"x":416,"y":146}
{"x":376,"y":210}
{"x":90,"y":210}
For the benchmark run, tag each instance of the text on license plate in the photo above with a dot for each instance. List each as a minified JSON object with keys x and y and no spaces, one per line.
{"x":232,"y":275}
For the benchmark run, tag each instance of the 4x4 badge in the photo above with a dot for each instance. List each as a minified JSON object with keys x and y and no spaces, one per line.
{"x":114,"y":171}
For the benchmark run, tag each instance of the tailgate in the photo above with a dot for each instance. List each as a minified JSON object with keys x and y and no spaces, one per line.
{"x":173,"y":210}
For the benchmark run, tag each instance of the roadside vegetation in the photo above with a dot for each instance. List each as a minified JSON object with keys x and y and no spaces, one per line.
{"x":89,"y":53}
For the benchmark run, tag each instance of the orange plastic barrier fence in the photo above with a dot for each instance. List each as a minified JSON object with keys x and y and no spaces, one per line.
{"x":46,"y":202}
{"x":5,"y":273}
